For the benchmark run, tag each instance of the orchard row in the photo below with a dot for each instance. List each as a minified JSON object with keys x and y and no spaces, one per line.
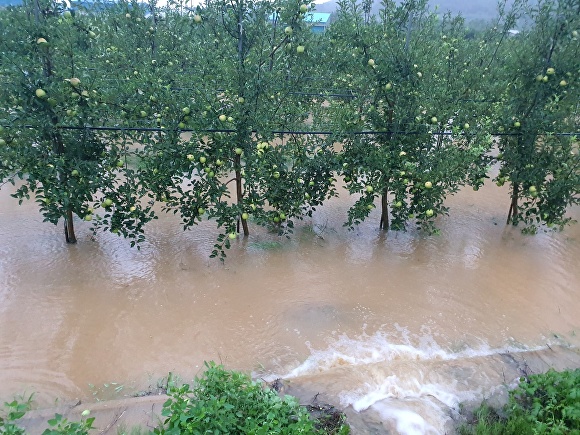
{"x":237,"y":109}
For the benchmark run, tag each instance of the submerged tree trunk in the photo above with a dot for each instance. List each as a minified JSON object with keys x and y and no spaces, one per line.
{"x":384,"y":210}
{"x":69,"y":229}
{"x":513,"y":213}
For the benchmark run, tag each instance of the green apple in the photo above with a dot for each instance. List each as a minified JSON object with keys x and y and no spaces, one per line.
{"x":311,"y":183}
{"x":300,"y":49}
{"x":120,"y":163}
{"x":74,"y":81}
{"x":434,"y":120}
{"x":67,"y":15}
{"x":429,"y":213}
{"x":303,"y":9}
{"x":428,"y":185}
{"x":517,"y":124}
{"x":88,"y":218}
{"x":40,"y":93}
{"x":388,"y":87}
{"x":276,"y":174}
{"x":241,"y":100}
{"x":369,"y":188}
{"x":132,"y":208}
{"x":370,"y":206}
{"x":239,"y":151}
{"x":186,"y":110}
{"x":143,"y":114}
{"x":545,"y":79}
{"x":288,"y":30}
{"x":75,"y":173}
{"x":276,"y":219}
{"x":402,"y":154}
{"x":92,"y":34}
{"x":41,"y":41}
{"x":202,"y":159}
{"x":563,"y":83}
{"x":532,"y":189}
{"x":190,"y":157}
{"x":371,"y":62}
{"x":218,"y":162}
{"x":230,"y":119}
{"x":398,"y":204}
{"x":232,"y":236}
{"x":223,"y":118}
{"x":307,"y":196}
{"x":282,"y":216}
{"x":107,"y":202}
{"x":211,"y":174}
{"x":466,"y":126}
{"x":550,"y":71}
{"x":200,"y":211}
{"x":197,"y":18}
{"x":245,"y":216}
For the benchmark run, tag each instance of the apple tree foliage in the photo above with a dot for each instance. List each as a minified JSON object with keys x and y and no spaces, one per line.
{"x":51,"y":95}
{"x":539,"y":101}
{"x":416,"y":84}
{"x":229,"y":148}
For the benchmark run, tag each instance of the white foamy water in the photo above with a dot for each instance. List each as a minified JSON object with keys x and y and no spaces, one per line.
{"x":411,"y":382}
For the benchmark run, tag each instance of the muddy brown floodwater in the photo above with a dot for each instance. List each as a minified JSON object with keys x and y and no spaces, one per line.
{"x":371,"y":312}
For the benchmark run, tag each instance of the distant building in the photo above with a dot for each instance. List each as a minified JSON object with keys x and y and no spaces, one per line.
{"x":319,"y":21}
{"x":513,"y":32}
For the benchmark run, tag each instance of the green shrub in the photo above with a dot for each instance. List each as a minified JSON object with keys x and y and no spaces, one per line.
{"x":541,"y":404}
{"x":229,"y":402}
{"x":15,"y":411}
{"x":550,"y":401}
{"x":57,"y":425}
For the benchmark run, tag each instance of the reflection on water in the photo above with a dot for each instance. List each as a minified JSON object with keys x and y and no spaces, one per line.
{"x":389,"y":307}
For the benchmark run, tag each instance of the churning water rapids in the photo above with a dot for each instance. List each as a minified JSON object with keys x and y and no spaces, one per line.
{"x":396,"y":323}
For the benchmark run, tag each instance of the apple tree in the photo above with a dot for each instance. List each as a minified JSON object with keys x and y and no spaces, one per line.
{"x":51,"y":99}
{"x":414,"y":132}
{"x":538,"y":156}
{"x":233,"y":148}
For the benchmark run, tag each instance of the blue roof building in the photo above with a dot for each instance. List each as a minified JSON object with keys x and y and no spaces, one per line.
{"x":318,"y":20}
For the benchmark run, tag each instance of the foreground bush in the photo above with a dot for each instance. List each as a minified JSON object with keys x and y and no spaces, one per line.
{"x":229,"y":402}
{"x":543,"y":403}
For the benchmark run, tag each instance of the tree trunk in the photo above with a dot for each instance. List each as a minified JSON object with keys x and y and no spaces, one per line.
{"x":240,"y":193}
{"x":384,"y":210}
{"x":513,"y":213}
{"x":69,"y":228}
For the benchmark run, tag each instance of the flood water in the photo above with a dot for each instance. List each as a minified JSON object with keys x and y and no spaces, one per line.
{"x":368,"y":311}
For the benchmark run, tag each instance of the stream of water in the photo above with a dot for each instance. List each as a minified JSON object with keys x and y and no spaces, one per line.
{"x":397,"y":322}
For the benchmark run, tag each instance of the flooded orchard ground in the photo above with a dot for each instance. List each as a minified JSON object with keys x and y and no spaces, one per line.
{"x":400,"y":324}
